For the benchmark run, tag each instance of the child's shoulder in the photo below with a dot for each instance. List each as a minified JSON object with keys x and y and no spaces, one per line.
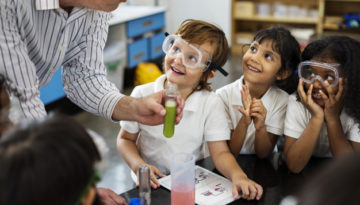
{"x":236,"y":85}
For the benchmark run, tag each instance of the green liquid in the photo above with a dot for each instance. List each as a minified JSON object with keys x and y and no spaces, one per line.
{"x":169,"y":120}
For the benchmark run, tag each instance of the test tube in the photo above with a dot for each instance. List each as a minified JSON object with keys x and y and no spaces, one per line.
{"x":170,"y":106}
{"x":145,"y":188}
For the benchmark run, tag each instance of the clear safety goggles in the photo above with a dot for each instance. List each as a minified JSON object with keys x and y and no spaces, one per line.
{"x":314,"y":70}
{"x":191,"y":56}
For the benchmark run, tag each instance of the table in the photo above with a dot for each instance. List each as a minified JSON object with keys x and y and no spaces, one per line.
{"x":271,"y":173}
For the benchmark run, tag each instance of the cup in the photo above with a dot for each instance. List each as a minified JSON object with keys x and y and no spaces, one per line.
{"x":182,"y":170}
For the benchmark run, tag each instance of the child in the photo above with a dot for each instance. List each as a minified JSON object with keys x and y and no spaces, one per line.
{"x":51,"y":161}
{"x":256,"y":103}
{"x":192,"y":55}
{"x":318,"y":125}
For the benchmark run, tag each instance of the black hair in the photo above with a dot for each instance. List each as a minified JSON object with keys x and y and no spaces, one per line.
{"x":46,"y":162}
{"x":346,"y":51}
{"x":335,"y":184}
{"x":289,"y":50}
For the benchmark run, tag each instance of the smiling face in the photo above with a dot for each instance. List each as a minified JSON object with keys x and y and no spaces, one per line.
{"x":183,"y":76}
{"x":261,"y":63}
{"x":319,"y":85}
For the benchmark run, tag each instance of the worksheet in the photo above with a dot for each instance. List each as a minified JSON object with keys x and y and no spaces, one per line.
{"x":210,"y":188}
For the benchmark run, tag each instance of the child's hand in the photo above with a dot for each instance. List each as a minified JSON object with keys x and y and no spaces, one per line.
{"x":248,"y":188}
{"x":153,"y":179}
{"x":258,"y":112}
{"x":335,"y":101}
{"x":306,"y":98}
{"x":246,"y":101}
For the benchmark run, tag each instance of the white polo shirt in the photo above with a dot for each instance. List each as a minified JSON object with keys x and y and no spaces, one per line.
{"x":298,"y":117}
{"x":203,"y":120}
{"x":274,"y":100}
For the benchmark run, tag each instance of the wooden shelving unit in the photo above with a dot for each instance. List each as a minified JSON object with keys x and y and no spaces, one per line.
{"x":329,"y":13}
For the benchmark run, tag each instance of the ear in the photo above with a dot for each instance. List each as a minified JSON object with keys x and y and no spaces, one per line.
{"x":283,"y":75}
{"x":88,"y":199}
{"x":212,"y":74}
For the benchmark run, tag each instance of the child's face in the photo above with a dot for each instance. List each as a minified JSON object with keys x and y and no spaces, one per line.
{"x":317,"y":85}
{"x":183,"y":76}
{"x":261,"y":63}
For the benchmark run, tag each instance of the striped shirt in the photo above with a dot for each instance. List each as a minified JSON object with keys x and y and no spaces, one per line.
{"x":37,"y":37}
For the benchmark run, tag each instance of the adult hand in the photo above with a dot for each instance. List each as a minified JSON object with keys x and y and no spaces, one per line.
{"x":306,"y":99}
{"x":151,"y":111}
{"x":148,"y":110}
{"x":109,"y":197}
{"x":246,"y":101}
{"x":334,"y":102}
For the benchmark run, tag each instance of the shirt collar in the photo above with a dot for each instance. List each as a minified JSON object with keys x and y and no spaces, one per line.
{"x":46,"y":4}
{"x":191,"y":103}
{"x":236,"y":98}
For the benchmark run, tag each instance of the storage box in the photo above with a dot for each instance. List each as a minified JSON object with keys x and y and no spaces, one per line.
{"x":244,"y":9}
{"x":155,"y":45}
{"x":114,"y":59}
{"x":138,"y":52}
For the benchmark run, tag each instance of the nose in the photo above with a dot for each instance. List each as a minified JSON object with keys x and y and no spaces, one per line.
{"x":317,"y":83}
{"x":255,"y":57}
{"x":178,"y":59}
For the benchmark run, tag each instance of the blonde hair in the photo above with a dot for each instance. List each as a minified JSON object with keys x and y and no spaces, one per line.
{"x":200,"y":32}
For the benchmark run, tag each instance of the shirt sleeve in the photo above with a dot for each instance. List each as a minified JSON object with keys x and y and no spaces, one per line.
{"x":296,"y":118}
{"x":132,"y":126}
{"x":216,"y":126}
{"x":16,"y":65}
{"x":84,"y":77}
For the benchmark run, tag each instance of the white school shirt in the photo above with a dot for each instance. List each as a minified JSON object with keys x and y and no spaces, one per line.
{"x":203,"y":120}
{"x":274,"y":100}
{"x":298,"y":117}
{"x":37,"y":37}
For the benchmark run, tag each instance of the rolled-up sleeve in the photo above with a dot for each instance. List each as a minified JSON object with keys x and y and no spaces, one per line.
{"x":84,"y":76}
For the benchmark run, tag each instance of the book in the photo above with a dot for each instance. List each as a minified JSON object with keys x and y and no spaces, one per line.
{"x":210,"y":188}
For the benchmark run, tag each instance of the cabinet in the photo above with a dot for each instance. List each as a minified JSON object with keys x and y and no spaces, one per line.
{"x":321,"y":16}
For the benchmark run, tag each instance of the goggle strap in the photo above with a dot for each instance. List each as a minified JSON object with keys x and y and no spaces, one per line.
{"x":166,"y":34}
{"x":219,"y":68}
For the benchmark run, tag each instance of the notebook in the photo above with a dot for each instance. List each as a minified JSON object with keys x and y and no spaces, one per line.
{"x":210,"y":188}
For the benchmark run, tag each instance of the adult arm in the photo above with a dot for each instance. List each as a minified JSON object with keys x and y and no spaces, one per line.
{"x":15,"y":63}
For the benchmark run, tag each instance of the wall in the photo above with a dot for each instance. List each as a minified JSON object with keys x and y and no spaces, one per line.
{"x":213,"y":11}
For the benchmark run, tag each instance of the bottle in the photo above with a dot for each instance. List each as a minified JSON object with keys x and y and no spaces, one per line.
{"x":170,"y":106}
{"x":145,"y":188}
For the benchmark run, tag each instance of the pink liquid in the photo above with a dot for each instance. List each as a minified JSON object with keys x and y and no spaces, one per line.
{"x":182,"y":196}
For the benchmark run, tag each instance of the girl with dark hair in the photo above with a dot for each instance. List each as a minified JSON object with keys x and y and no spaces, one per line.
{"x":256,"y":103}
{"x":322,"y":119}
{"x":52,"y":161}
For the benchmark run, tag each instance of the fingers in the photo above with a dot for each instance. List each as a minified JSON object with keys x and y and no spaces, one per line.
{"x":339,"y":94}
{"x":259,"y":191}
{"x":300,"y":90}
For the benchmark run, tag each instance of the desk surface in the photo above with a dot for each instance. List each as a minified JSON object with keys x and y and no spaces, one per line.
{"x":126,"y":13}
{"x":272,"y":174}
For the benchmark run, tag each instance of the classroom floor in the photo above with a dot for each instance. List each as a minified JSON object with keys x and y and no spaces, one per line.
{"x":116,"y":173}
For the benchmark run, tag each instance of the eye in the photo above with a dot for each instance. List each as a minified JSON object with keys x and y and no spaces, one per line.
{"x":330,"y":78}
{"x":253,"y":49}
{"x":269,"y":57}
{"x":192,"y":58}
{"x":175,"y":49}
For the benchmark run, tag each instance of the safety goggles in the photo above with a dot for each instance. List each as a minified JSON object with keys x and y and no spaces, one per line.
{"x":314,"y":70}
{"x":192,"y":57}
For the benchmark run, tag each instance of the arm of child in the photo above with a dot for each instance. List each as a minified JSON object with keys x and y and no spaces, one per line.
{"x":298,"y":152}
{"x":126,"y":144}
{"x":264,"y":141}
{"x":239,"y":134}
{"x":339,"y":144}
{"x":225,"y":162}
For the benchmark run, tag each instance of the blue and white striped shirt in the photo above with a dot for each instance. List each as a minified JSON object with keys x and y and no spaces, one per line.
{"x":37,"y":37}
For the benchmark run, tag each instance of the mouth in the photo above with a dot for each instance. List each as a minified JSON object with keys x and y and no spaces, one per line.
{"x":316,"y":95}
{"x":252,"y":68}
{"x":176,"y":70}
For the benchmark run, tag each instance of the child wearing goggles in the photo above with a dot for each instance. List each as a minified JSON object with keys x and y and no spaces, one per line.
{"x":193,"y":55}
{"x":322,"y":118}
{"x":256,"y":103}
